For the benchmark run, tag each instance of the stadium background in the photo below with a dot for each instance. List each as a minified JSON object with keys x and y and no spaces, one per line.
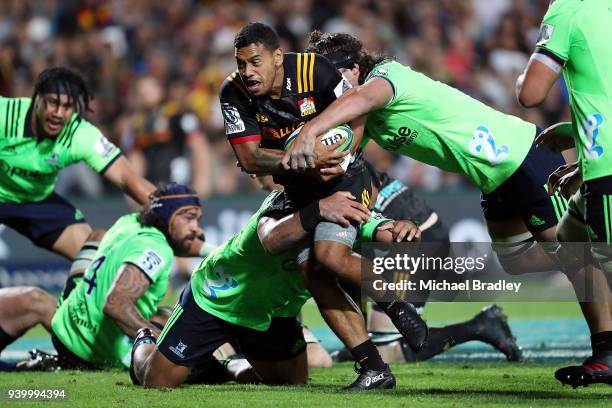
{"x":153,"y":60}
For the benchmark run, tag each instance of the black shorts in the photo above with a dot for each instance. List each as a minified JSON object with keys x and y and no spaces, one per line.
{"x":191,"y":335}
{"x":524,"y":193}
{"x":42,"y":222}
{"x":357,"y":181}
{"x":597,"y":196}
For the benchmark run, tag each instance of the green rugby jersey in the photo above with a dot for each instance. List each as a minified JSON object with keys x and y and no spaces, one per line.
{"x":578,"y":34}
{"x":29,"y":167}
{"x":80,"y":322}
{"x":241,"y":284}
{"x":441,"y":126}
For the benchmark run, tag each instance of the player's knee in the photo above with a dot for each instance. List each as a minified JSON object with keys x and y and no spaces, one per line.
{"x":331,"y":255}
{"x":318,"y":357}
{"x":96,"y":235}
{"x":37,"y":299}
{"x":511,"y":252}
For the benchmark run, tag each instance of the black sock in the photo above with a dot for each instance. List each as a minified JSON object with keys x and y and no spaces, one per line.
{"x":5,"y":339}
{"x":601,"y":342}
{"x":6,"y":366}
{"x":366,"y":354}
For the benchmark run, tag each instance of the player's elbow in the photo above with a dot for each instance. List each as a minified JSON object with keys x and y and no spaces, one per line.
{"x":111,"y":309}
{"x":270,"y":246}
{"x":528,"y":97}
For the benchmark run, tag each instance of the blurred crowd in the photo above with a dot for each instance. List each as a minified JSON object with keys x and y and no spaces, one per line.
{"x":156,"y":67}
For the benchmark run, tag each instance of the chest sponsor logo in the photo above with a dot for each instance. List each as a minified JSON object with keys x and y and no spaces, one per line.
{"x":403,"y":136}
{"x":590,"y":127}
{"x":12,"y":171}
{"x":546,"y":32}
{"x":307,"y":106}
{"x":484,"y":142}
{"x":231,"y":117}
{"x":219,"y":281}
{"x":271,"y":133}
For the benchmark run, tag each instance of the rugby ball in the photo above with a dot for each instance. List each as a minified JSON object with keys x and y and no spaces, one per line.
{"x":340,"y":136}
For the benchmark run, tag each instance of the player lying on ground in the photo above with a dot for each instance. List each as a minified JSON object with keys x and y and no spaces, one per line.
{"x":248,"y":292}
{"x":39,"y":137}
{"x":269,"y":96}
{"x":575,"y":40}
{"x":126,"y":281}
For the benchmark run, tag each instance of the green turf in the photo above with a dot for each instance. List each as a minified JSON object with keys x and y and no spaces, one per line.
{"x":424,"y":385}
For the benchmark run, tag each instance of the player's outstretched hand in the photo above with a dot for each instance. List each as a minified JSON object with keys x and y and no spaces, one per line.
{"x":341,"y":208}
{"x":567,"y":178}
{"x":405,"y":230}
{"x":556,"y":138}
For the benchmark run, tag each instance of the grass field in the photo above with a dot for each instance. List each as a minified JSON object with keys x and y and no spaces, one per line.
{"x":429,"y":384}
{"x":453,"y":379}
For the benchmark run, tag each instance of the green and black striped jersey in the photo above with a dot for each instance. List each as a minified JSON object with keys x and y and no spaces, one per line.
{"x":29,"y":166}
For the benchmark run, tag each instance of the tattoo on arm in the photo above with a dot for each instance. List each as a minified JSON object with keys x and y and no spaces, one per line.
{"x":129,"y":285}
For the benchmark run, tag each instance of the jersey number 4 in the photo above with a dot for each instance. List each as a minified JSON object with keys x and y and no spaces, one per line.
{"x":91,"y":282}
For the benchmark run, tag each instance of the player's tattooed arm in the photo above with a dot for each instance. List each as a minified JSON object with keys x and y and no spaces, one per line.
{"x":120,"y":305}
{"x":257,"y":160}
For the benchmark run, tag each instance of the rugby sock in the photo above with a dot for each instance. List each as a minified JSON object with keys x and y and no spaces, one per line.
{"x":84,"y":257}
{"x":5,"y":339}
{"x":366,"y":354}
{"x":601,"y":342}
{"x":442,"y":338}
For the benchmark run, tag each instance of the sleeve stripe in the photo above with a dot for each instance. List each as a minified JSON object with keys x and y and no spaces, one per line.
{"x":6,"y":119}
{"x":140,"y":269}
{"x":244,"y":139}
{"x":110,"y":163}
{"x":299,"y":72}
{"x":551,"y":54}
{"x":311,"y":71}
{"x":16,"y":122}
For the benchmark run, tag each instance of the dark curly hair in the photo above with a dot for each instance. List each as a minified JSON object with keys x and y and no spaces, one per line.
{"x":327,"y":44}
{"x":64,"y":80}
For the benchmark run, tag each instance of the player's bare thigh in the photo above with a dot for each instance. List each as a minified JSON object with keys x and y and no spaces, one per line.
{"x":22,"y":307}
{"x":71,"y":240}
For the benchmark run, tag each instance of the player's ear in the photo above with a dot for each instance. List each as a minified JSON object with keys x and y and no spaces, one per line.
{"x":278,"y":57}
{"x":355,"y":70}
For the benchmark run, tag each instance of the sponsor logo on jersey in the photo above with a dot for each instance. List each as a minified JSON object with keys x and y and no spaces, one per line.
{"x":483,"y":141}
{"x":103,"y":147}
{"x":271,"y":133}
{"x":219,"y":281}
{"x":288,"y":85}
{"x":545,"y":33}
{"x":404,"y":136}
{"x":307,"y":106}
{"x":21,"y":172}
{"x":149,"y":262}
{"x":53,"y":159}
{"x":381,"y":71}
{"x":261,"y":118}
{"x":590,"y":126}
{"x":179,"y":349}
{"x":231,"y":117}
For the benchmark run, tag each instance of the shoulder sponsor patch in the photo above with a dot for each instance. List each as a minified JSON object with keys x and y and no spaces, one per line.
{"x":150,"y":262}
{"x":232,"y":119}
{"x":104,"y":147}
{"x":545,"y":33}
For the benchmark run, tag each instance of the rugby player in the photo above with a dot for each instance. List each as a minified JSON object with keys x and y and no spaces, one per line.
{"x":411,"y":114}
{"x":575,"y":40}
{"x":249,"y":292}
{"x":38,"y":137}
{"x":124,"y":284}
{"x":269,"y":96}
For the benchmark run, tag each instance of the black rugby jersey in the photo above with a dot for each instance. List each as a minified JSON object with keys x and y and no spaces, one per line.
{"x":310,"y":84}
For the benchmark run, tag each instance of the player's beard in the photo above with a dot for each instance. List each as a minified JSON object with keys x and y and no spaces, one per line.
{"x":182,"y":247}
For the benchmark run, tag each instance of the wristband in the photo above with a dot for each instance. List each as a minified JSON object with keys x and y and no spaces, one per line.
{"x":310,"y":216}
